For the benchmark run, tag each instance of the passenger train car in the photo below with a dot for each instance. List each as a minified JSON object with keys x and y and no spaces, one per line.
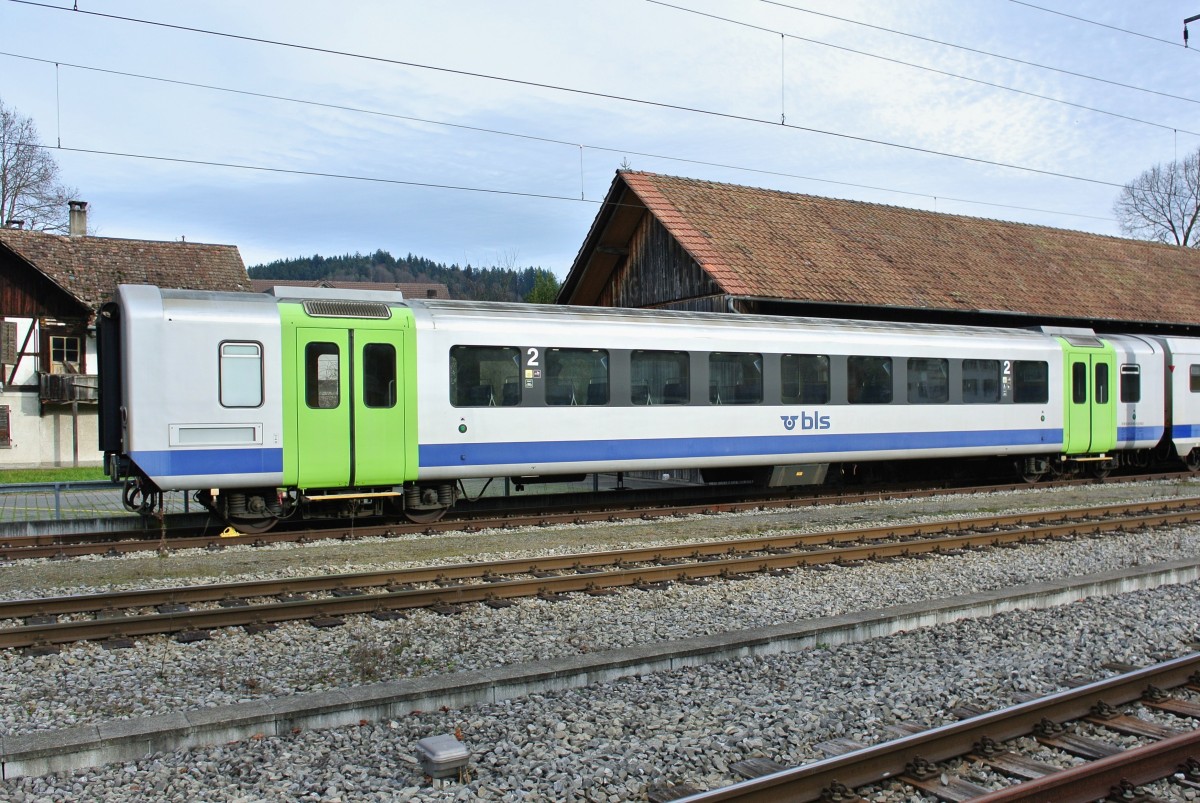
{"x":326,"y":403}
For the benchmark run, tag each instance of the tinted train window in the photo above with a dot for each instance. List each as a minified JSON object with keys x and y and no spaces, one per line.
{"x":1079,"y":382}
{"x":928,"y":381}
{"x":241,"y":375}
{"x":869,"y":380}
{"x":322,"y":375}
{"x":576,"y":376}
{"x":1031,"y":382}
{"x":659,"y":377}
{"x":735,"y":378}
{"x":379,"y":375}
{"x":485,"y":376}
{"x":980,"y":381}
{"x":1195,"y":376}
{"x":1131,"y":384}
{"x":805,"y":379}
{"x":1101,"y":391}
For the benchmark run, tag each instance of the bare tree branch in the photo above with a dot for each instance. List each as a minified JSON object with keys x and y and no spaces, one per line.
{"x":30,"y":190}
{"x":1163,"y":203}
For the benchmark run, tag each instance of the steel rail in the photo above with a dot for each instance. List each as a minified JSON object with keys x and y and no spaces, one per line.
{"x":211,"y":592}
{"x":645,"y":576}
{"x":59,"y":546}
{"x":890,"y":759}
{"x":1097,"y":779}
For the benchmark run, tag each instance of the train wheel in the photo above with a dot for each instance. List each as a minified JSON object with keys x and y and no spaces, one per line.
{"x":253,"y":526}
{"x":425,"y":516}
{"x":1101,"y":470}
{"x":1032,"y":477}
{"x":1193,"y":461}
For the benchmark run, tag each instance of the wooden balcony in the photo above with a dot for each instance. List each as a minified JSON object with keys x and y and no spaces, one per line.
{"x":66,"y":388}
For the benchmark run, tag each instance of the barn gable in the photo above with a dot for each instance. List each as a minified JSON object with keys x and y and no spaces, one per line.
{"x":674,"y":243}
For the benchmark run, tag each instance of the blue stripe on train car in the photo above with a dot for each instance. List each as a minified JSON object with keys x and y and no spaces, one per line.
{"x":1140,"y":433}
{"x":189,"y":462}
{"x":1185,"y":431}
{"x":482,"y":454}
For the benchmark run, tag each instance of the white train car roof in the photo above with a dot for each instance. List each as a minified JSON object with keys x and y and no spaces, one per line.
{"x":494,"y":318}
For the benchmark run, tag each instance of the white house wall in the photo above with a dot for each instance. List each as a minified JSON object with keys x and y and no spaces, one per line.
{"x":45,"y":439}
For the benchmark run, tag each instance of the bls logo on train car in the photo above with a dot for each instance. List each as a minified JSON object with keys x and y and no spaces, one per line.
{"x":807,"y":421}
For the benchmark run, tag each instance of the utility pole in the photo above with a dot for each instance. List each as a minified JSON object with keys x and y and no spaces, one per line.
{"x":1185,"y":24}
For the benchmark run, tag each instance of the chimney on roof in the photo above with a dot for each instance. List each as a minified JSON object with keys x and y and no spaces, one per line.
{"x":13,"y":223}
{"x":78,"y":226}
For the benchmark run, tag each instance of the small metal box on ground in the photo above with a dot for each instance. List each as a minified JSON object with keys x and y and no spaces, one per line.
{"x":443,"y":756}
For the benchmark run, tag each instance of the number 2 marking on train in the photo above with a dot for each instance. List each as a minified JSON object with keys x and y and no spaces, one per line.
{"x":532,"y":362}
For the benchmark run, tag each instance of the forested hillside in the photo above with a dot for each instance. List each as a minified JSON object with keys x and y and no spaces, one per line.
{"x":478,"y":284}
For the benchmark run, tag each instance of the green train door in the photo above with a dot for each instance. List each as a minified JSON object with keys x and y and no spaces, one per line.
{"x":1091,"y":416}
{"x":350,"y":410}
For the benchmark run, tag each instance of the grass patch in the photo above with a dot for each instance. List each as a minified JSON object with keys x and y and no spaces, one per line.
{"x":15,"y":475}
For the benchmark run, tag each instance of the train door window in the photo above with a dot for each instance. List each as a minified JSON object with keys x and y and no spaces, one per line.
{"x":1079,"y":382}
{"x":980,"y":381}
{"x":379,"y":375}
{"x":869,"y":380}
{"x":1195,"y":379}
{"x":805,"y":379}
{"x":1101,"y":391}
{"x":322,"y":375}
{"x":735,"y":378}
{"x":485,"y":376}
{"x":659,"y":377}
{"x":241,"y":379}
{"x":1131,"y":384}
{"x":928,"y":380}
{"x":576,"y":376}
{"x":1031,"y":382}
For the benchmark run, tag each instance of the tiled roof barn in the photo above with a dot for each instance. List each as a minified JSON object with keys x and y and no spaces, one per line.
{"x":677,"y":243}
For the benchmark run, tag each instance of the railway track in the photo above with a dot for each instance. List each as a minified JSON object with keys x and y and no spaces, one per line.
{"x":550,"y":511}
{"x":40,"y":625}
{"x":922,"y":759}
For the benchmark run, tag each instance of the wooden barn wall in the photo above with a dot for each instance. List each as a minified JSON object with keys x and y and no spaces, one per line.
{"x":25,"y":293}
{"x":657,"y":272}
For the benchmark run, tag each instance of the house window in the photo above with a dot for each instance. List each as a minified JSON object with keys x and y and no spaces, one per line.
{"x":5,"y":431}
{"x":64,"y":355}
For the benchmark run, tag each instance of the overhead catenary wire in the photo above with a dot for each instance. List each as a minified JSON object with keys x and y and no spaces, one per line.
{"x":968,"y":49}
{"x":934,"y":70}
{"x":577,"y":91}
{"x":536,"y":138}
{"x":1097,"y":23}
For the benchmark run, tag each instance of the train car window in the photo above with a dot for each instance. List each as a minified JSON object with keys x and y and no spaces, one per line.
{"x":576,"y":376}
{"x":1101,"y":391}
{"x":1131,"y":384}
{"x":869,"y":380}
{"x":322,"y":375}
{"x":1195,"y":379}
{"x":1031,"y":382}
{"x":928,"y":380}
{"x":241,"y":375}
{"x":805,"y":379}
{"x":659,"y":377}
{"x":980,"y":381}
{"x":379,"y":375}
{"x":485,"y":376}
{"x":1079,"y":380}
{"x":735,"y":378}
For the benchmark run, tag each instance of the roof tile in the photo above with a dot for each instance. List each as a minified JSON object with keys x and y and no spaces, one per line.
{"x":758,"y":242}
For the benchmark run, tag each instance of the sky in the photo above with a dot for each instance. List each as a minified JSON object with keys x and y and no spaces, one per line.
{"x":487,"y":133}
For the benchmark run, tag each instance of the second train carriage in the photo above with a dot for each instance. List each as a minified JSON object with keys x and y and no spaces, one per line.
{"x":341,"y":402}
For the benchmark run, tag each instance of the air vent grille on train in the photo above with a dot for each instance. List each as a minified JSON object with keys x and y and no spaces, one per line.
{"x":346,"y":309}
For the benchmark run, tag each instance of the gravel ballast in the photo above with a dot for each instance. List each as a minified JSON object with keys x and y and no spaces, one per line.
{"x":606,"y":742}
